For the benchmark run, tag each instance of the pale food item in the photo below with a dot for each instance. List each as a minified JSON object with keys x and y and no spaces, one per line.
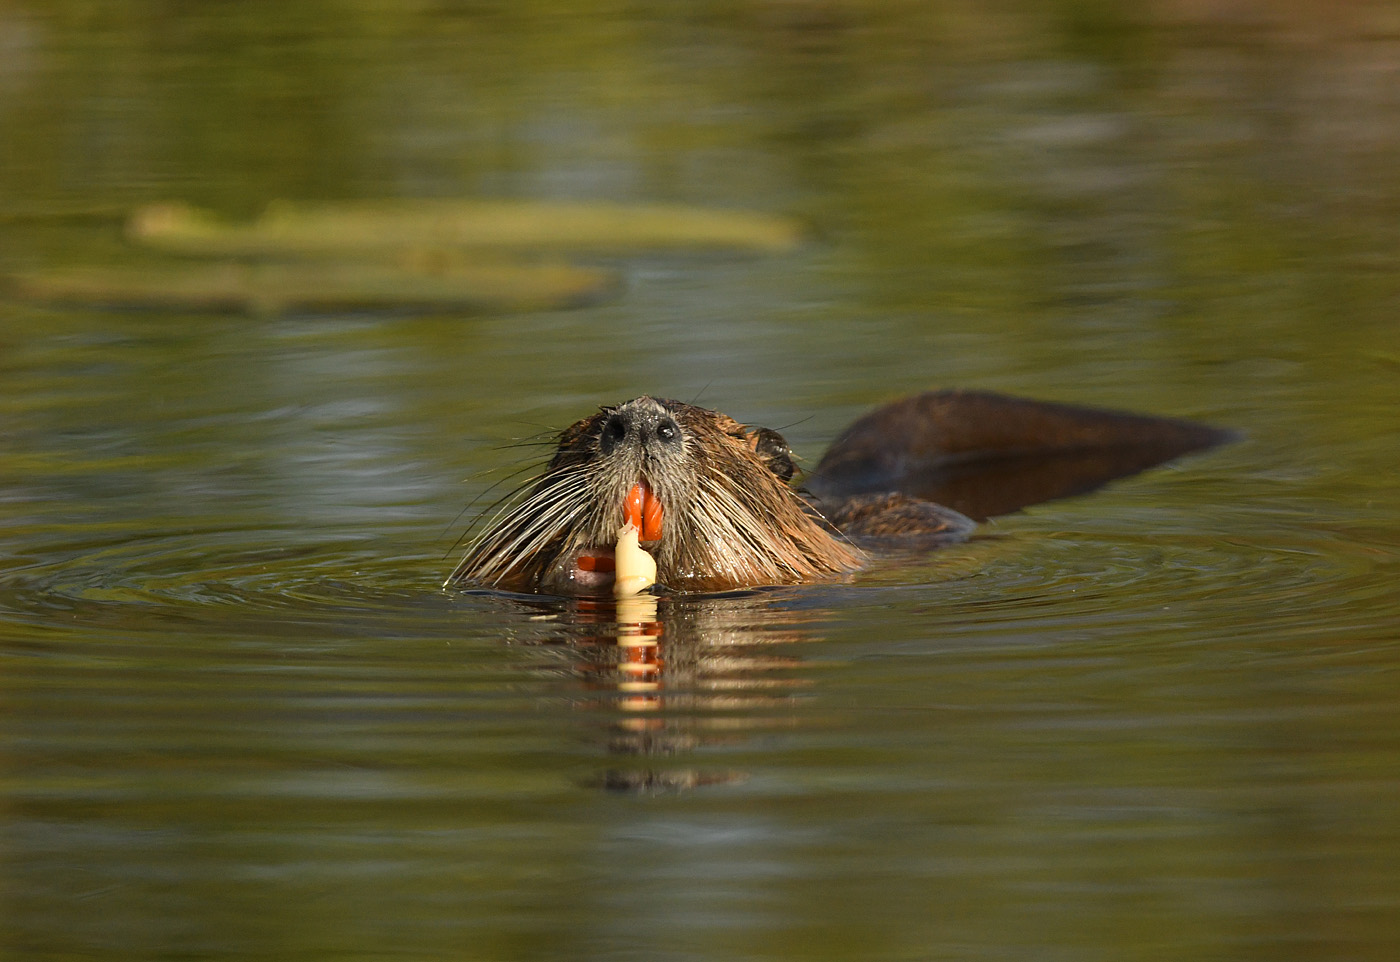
{"x":635,"y":569}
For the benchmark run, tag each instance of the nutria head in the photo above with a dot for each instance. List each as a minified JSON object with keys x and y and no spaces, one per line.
{"x":709,"y":495}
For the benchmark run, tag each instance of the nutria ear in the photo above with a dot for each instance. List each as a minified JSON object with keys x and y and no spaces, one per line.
{"x":986,"y":454}
{"x":772,"y":449}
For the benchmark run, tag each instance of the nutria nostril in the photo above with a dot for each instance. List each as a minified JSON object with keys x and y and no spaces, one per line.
{"x":613,"y":433}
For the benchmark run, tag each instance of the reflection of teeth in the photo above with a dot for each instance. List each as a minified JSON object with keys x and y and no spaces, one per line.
{"x":635,"y":569}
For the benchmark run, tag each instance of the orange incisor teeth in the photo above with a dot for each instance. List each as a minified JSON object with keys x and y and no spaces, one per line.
{"x":643,"y":512}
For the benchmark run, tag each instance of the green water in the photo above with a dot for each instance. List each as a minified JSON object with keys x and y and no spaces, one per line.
{"x":239,"y":718}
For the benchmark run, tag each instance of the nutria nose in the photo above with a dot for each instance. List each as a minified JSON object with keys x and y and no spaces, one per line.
{"x":642,"y":422}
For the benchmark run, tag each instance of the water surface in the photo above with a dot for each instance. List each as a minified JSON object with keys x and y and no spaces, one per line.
{"x":242,"y":719}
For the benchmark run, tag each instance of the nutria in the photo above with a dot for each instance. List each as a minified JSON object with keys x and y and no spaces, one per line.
{"x":711,"y":502}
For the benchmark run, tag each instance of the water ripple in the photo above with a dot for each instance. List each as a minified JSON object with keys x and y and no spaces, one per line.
{"x":1305,"y":578}
{"x":182,"y":574}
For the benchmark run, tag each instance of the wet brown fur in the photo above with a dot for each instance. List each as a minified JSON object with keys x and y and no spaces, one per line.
{"x":729,"y":518}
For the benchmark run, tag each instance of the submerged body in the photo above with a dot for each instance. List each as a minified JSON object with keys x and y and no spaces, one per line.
{"x":709,"y":498}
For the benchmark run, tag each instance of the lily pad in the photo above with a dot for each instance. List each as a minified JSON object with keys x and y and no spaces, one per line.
{"x":286,"y":229}
{"x":278,"y":288}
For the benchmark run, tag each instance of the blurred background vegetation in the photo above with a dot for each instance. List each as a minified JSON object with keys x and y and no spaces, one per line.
{"x":1218,"y":179}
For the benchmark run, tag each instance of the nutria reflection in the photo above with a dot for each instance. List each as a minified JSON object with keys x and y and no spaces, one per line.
{"x":662,"y":678}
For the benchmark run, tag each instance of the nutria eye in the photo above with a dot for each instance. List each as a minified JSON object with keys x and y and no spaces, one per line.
{"x":614,"y":431}
{"x":667,"y":430}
